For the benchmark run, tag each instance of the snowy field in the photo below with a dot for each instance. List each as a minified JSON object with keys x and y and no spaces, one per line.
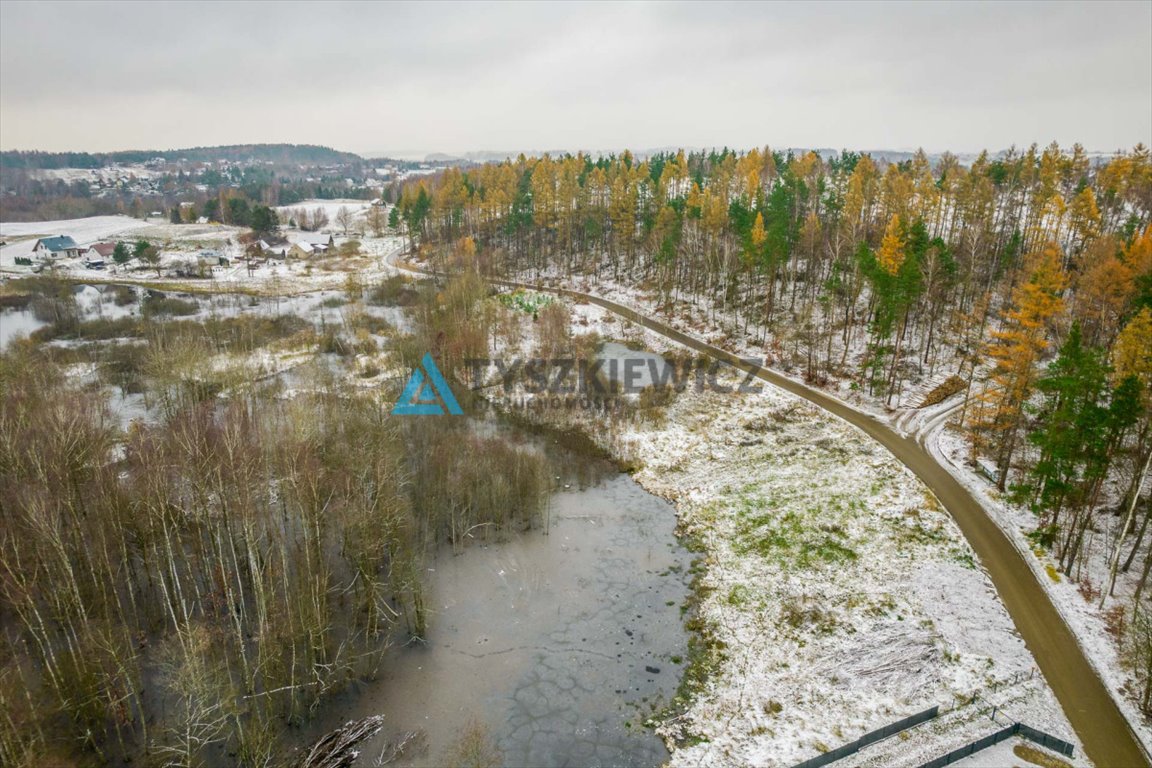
{"x":83,"y":231}
{"x":330,"y":207}
{"x":888,"y":616}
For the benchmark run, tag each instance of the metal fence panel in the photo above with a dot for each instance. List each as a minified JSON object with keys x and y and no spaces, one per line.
{"x":1045,"y":740}
{"x":972,"y":748}
{"x":871,"y":737}
{"x":1051,"y":742}
{"x":992,"y":739}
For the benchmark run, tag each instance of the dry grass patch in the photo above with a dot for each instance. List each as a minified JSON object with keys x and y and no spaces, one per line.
{"x":1038,"y":757}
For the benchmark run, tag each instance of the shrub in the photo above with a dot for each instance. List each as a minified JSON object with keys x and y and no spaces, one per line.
{"x":396,"y":290}
{"x":123,"y":295}
{"x":331,"y":343}
{"x":158,"y":304}
{"x":99,"y":329}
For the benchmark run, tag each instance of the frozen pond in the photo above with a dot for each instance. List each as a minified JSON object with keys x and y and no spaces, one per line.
{"x":559,"y":644}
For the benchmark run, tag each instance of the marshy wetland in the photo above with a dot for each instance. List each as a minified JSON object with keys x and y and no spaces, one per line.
{"x":219,"y":545}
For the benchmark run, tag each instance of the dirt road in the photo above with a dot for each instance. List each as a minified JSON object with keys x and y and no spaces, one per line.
{"x":1107,"y":738}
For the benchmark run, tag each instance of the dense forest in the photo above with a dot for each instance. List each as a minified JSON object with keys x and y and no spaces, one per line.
{"x":1023,"y":280}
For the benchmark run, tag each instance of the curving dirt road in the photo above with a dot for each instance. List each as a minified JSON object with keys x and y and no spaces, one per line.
{"x":1107,"y":738}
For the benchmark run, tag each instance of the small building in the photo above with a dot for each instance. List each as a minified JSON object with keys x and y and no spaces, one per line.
{"x":59,"y":247}
{"x":272,"y":251}
{"x":312,"y":244}
{"x":302,"y":251}
{"x":98,"y":255}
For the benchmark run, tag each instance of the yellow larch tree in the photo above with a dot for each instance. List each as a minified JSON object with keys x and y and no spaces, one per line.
{"x":1084,"y":218}
{"x":897,"y":192}
{"x":544,"y":198}
{"x":749,"y":167}
{"x":1132,"y":357}
{"x":859,"y":200}
{"x":1103,"y":290}
{"x":1015,"y":350}
{"x":1132,"y":353}
{"x":758,"y":236}
{"x":1138,"y":255}
{"x":927,"y":194}
{"x":891,"y":254}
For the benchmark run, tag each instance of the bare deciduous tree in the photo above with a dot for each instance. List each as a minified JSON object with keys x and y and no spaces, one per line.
{"x":345,"y":218}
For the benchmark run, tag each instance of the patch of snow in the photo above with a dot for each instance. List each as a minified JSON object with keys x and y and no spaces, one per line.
{"x":83,"y":231}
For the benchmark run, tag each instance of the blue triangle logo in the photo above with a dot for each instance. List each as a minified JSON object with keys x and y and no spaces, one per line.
{"x":426,"y":393}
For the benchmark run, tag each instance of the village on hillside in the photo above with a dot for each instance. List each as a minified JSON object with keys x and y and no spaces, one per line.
{"x":154,"y":247}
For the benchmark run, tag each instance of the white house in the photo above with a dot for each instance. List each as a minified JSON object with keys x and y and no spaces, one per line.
{"x":98,"y":254}
{"x":312,"y":244}
{"x":57,"y":247}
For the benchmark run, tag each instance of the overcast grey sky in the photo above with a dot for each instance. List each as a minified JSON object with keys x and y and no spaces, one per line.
{"x":456,"y":77}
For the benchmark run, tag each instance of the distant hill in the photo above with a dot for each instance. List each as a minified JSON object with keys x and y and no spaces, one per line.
{"x":280,"y":154}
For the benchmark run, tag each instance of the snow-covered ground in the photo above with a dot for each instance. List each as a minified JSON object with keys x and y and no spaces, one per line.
{"x":83,"y":231}
{"x":331,"y":209}
{"x":836,"y":593}
{"x":1003,"y":755}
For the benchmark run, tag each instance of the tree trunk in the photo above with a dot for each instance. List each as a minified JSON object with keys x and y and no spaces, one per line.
{"x":1124,"y":529}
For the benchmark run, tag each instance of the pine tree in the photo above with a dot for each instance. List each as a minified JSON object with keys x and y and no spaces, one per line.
{"x":120,"y":253}
{"x":1072,"y":435}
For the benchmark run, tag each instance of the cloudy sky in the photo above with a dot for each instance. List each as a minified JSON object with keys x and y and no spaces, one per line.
{"x":369,"y":77}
